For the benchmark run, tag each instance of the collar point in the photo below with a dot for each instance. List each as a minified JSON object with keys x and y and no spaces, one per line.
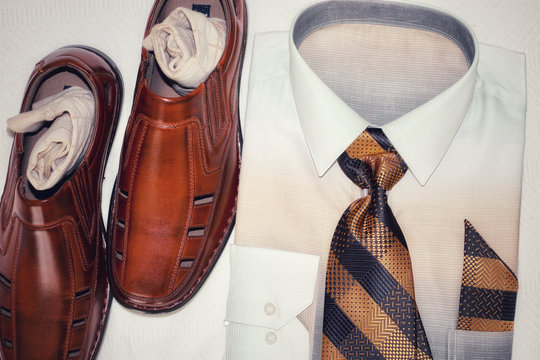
{"x":422,"y":178}
{"x":322,"y":169}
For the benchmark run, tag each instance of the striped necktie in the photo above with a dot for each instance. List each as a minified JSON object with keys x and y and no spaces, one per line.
{"x":369,"y":310}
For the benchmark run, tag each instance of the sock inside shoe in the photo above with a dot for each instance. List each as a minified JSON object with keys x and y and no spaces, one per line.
{"x":54,"y":84}
{"x":159,"y":83}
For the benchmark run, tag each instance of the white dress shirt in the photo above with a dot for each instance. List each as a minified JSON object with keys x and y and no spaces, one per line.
{"x":30,"y":29}
{"x":463,"y":145}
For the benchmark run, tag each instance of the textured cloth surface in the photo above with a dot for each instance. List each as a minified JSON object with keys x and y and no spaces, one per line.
{"x":59,"y":148}
{"x":386,"y":67}
{"x":187,"y":46}
{"x":369,"y":308}
{"x":479,"y":345}
{"x":453,"y":142}
{"x":116,"y":26}
{"x":269,"y":304}
{"x":488,"y":287}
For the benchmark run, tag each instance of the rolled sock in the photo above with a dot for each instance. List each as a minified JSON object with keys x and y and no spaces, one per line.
{"x":187,"y":46}
{"x":60,"y":148}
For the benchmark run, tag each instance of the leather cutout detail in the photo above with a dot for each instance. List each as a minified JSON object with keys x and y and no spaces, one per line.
{"x":193,"y":205}
{"x":488,"y":287}
{"x":74,"y":353}
{"x":7,"y":343}
{"x":119,"y":256}
{"x":186,"y":263}
{"x":203,"y":199}
{"x":194,"y":232}
{"x":79,"y":322}
{"x":56,"y":238}
{"x":123,"y":193}
{"x":81,"y":294}
{"x":4,"y":280}
{"x":5,"y":311}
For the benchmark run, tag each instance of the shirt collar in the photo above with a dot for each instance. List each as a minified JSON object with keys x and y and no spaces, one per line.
{"x":421,"y":136}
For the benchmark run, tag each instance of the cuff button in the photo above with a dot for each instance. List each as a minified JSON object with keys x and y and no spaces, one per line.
{"x":270,"y":338}
{"x":269,"y":309}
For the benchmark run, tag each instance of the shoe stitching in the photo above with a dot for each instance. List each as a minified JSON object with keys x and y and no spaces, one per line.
{"x":12,"y":293}
{"x":128,"y":206}
{"x":128,"y":298}
{"x":69,"y":256}
{"x":174,"y":275}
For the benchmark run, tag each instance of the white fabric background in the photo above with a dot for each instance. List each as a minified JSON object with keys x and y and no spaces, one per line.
{"x":30,"y":29}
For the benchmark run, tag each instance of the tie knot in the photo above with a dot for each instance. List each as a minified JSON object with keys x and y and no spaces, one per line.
{"x":371,"y":161}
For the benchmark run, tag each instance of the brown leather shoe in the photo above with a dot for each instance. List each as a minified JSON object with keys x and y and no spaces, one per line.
{"x":54,"y":291}
{"x":175,"y":196}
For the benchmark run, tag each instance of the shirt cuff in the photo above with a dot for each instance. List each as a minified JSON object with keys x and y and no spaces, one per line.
{"x":268,"y":289}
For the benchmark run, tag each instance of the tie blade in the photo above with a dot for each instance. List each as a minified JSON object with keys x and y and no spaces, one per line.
{"x":370,"y":310}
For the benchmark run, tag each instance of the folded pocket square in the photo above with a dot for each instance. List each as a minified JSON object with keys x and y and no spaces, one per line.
{"x":488,"y":287}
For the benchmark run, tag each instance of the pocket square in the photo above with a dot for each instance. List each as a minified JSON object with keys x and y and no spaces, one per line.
{"x":488,"y":287}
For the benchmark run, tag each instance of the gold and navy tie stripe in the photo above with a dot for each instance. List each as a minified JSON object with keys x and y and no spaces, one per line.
{"x":488,"y":287}
{"x":370,"y":311}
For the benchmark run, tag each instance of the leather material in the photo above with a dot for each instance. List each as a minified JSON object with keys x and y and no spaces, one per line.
{"x":175,"y":196}
{"x":54,"y":291}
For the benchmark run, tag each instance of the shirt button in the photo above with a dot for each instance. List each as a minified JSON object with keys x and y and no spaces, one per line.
{"x":270,"y":338}
{"x":269,"y":309}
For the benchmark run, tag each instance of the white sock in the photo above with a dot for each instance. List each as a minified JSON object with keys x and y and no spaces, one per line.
{"x":59,"y":149}
{"x":187,"y":46}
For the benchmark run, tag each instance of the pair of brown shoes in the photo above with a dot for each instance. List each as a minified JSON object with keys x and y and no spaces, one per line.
{"x":172,"y":207}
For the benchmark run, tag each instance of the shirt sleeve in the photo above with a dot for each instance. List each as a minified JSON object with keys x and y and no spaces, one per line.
{"x":269,"y":288}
